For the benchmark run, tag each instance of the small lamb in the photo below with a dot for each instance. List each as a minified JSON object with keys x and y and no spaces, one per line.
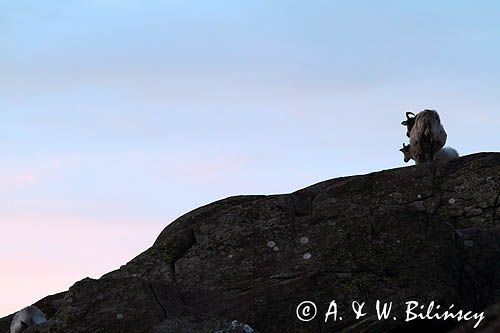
{"x":406,"y":153}
{"x":25,"y":318}
{"x":443,"y":156}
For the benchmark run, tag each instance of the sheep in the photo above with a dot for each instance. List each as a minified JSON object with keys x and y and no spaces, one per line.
{"x":409,"y":122}
{"x":25,"y":318}
{"x":427,"y":135}
{"x":406,"y":152}
{"x":446,"y":154}
{"x":443,"y":156}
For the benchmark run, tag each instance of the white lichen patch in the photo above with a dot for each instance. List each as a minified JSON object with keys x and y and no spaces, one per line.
{"x":346,"y":275}
{"x":276,"y":248}
{"x":237,"y":326}
{"x":451,"y":201}
{"x":468,"y":243}
{"x":271,"y":244}
{"x":307,"y":256}
{"x":304,"y":240}
{"x":119,"y":316}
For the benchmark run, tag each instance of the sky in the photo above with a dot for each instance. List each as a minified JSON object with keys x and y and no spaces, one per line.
{"x":116,"y":117}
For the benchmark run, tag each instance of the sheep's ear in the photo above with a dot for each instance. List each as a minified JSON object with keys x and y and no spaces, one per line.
{"x":410,"y":113}
{"x":404,"y":123}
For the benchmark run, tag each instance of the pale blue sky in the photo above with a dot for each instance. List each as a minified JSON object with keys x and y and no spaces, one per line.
{"x":118,"y":116}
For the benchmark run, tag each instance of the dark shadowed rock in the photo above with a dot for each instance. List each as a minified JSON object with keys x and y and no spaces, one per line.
{"x":491,"y":323}
{"x":418,"y":233}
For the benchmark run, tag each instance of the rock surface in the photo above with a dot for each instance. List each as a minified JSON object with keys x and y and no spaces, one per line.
{"x":422,"y":233}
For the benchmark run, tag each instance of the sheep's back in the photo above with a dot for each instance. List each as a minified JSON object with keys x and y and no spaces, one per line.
{"x":427,"y":135}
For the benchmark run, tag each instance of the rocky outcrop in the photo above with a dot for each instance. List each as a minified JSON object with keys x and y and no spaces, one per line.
{"x":243,"y":264}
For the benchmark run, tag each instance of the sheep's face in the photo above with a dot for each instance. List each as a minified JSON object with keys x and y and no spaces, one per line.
{"x":409,"y":122}
{"x":406,"y":152}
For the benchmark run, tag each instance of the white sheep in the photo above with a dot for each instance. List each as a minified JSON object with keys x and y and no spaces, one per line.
{"x":427,"y":135}
{"x":25,"y":318}
{"x":443,"y":156}
{"x":446,"y":154}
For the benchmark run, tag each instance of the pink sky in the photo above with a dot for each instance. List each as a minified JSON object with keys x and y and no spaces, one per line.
{"x":48,"y":253}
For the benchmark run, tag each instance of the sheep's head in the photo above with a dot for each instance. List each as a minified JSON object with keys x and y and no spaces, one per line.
{"x":406,"y":152}
{"x":409,"y":122}
{"x":432,"y":113}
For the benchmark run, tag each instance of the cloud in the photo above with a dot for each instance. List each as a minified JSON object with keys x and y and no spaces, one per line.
{"x":18,"y":174}
{"x":13,"y":180}
{"x":18,"y":180}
